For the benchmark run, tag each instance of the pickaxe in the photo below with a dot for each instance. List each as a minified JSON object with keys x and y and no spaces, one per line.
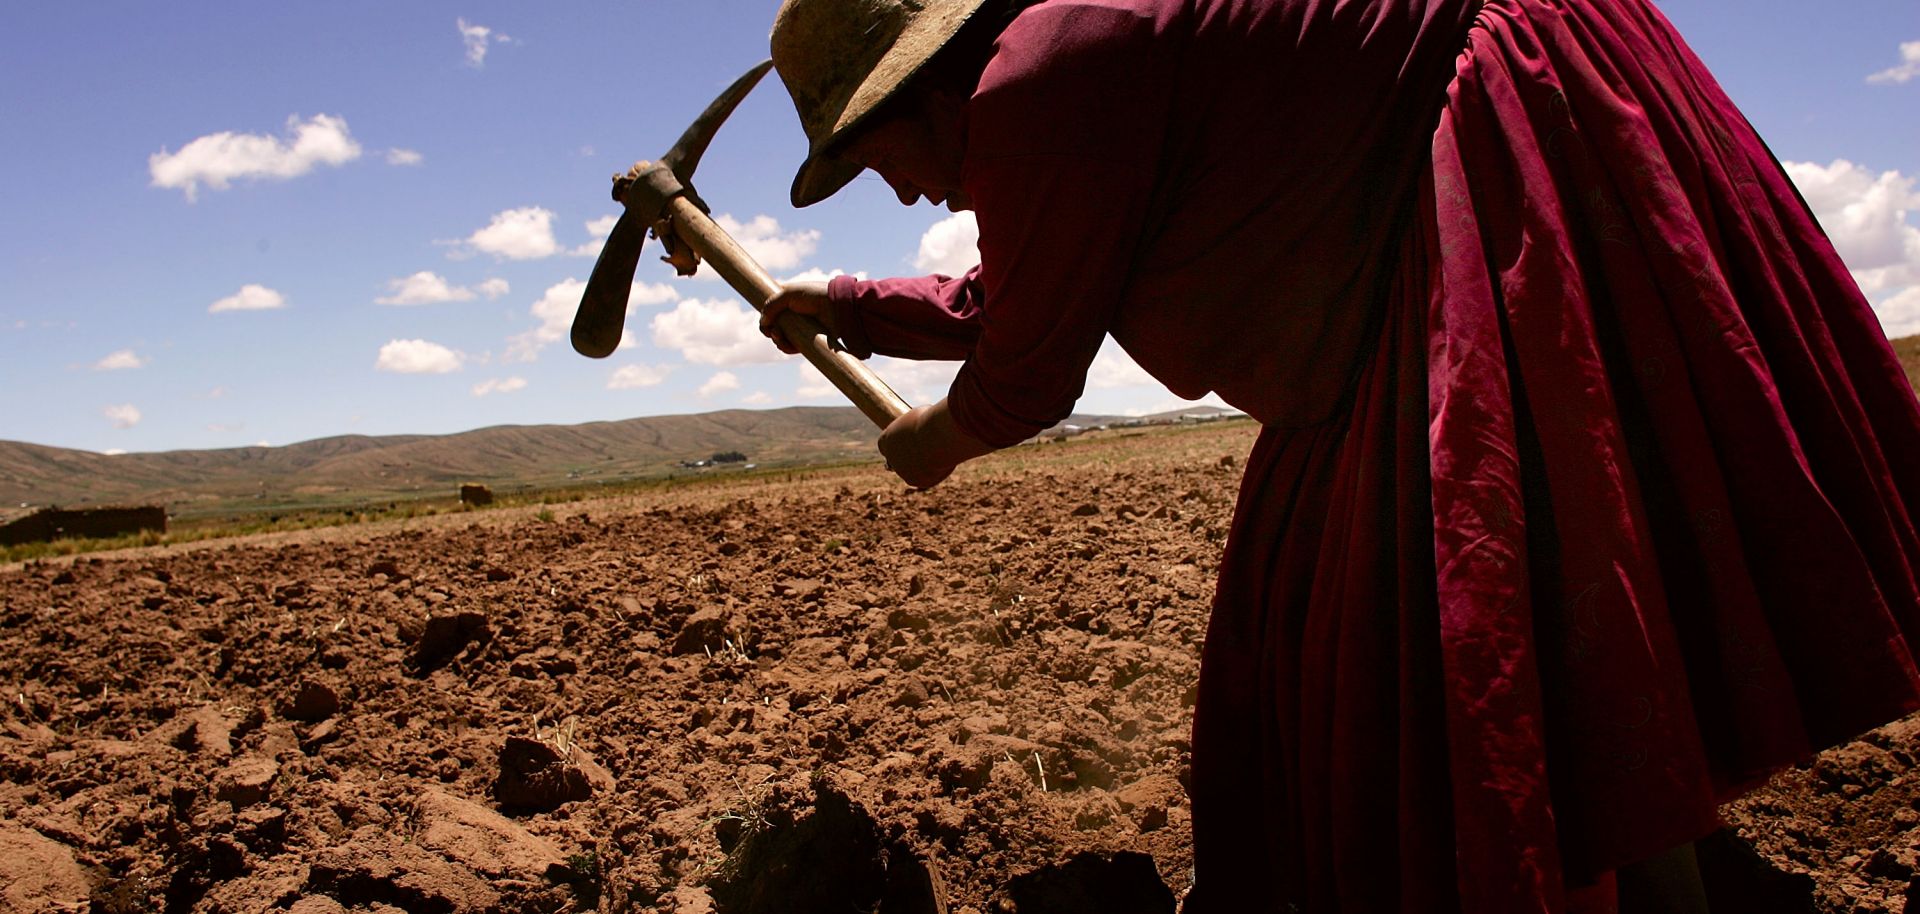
{"x":660,"y":196}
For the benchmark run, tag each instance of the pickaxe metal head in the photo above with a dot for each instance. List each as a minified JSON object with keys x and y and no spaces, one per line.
{"x":645,"y":190}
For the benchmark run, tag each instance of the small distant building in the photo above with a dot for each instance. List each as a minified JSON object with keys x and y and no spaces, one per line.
{"x":47,"y":524}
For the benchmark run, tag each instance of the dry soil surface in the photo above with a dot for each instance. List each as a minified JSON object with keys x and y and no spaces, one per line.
{"x":819,"y":695}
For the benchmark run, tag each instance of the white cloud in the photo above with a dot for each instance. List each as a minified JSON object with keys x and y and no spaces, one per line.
{"x":762,"y":238}
{"x":217,"y":393}
{"x":499,"y":386}
{"x":114,"y":451}
{"x":555,"y":311}
{"x":422,"y":288}
{"x":757,"y":398}
{"x":120,"y":361}
{"x":815,"y":274}
{"x":556,"y":308}
{"x":720,"y":331}
{"x":813,"y":384}
{"x":398,"y":156}
{"x":1908,"y":69}
{"x":630,"y":377}
{"x":427,"y":287}
{"x":1900,"y":315}
{"x":518,"y":234}
{"x":917,"y":382}
{"x":1869,"y":218}
{"x":219,"y":159}
{"x":124,"y":415}
{"x":251,"y":297}
{"x":1865,"y":214}
{"x":599,"y":229}
{"x":418,"y":357}
{"x":1114,"y":368}
{"x":720,"y":383}
{"x":950,"y":247}
{"x":474,"y":37}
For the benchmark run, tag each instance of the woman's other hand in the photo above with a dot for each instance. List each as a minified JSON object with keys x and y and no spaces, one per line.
{"x":807,"y":297}
{"x":923,"y":446}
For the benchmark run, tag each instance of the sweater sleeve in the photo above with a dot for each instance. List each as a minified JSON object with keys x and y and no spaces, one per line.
{"x":1064,"y":136}
{"x":1058,"y":235}
{"x":920,"y":317}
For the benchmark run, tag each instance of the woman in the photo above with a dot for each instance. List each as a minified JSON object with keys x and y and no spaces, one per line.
{"x":1583,"y":498}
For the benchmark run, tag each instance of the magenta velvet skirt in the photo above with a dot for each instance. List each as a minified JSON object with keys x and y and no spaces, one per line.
{"x":1616,"y":522}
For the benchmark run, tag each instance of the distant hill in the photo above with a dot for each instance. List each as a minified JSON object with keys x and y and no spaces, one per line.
{"x":360,"y":467}
{"x":1908,"y":349}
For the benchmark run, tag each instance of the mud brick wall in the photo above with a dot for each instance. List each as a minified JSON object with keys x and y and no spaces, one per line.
{"x":94,"y":523}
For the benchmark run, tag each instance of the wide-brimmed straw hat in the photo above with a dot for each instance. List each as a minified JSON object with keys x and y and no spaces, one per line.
{"x":841,"y":58}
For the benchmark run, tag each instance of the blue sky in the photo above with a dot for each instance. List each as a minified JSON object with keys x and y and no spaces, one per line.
{"x":238,"y":223}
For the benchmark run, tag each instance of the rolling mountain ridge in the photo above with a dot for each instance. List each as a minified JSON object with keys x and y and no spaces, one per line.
{"x":364,"y":467}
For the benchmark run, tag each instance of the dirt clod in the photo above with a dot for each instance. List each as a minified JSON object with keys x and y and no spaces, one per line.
{"x":313,"y":701}
{"x":445,"y":635}
{"x":204,"y":729}
{"x":484,"y":841}
{"x":39,"y":874}
{"x":705,"y":632}
{"x":817,"y":850}
{"x":536,"y":776}
{"x":381,"y":871}
{"x":246,"y":781}
{"x":387,"y":568}
{"x":1090,"y":883}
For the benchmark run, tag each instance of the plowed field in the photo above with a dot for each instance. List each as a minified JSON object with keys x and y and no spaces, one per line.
{"x":799,"y":694}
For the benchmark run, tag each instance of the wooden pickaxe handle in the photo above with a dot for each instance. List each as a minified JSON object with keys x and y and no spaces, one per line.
{"x":747,"y":277}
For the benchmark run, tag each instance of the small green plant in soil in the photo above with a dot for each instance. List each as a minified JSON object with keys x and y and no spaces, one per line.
{"x":585,"y":879}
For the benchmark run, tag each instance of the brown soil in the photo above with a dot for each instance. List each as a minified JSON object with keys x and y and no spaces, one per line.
{"x":829,"y":694}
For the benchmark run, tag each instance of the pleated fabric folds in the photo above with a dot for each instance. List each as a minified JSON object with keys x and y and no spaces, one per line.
{"x":1618,"y":518}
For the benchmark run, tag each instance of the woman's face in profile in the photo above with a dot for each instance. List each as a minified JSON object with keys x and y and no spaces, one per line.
{"x":916,"y":144}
